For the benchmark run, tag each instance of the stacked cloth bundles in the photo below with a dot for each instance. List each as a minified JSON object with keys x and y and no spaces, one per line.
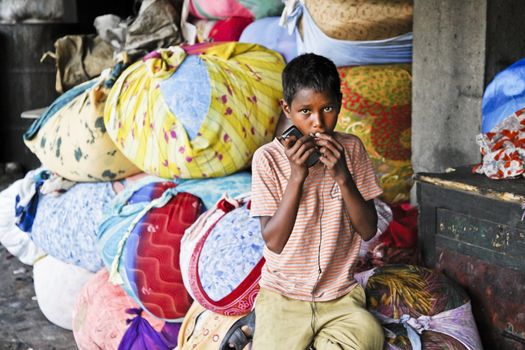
{"x":70,"y":138}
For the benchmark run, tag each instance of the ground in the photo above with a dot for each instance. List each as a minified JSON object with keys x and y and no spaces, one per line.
{"x":22,"y":324}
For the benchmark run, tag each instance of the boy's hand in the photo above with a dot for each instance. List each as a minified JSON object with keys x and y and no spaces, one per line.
{"x":298,"y":152}
{"x":333,"y":157}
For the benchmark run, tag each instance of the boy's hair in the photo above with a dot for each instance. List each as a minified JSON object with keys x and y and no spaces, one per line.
{"x":310,"y":71}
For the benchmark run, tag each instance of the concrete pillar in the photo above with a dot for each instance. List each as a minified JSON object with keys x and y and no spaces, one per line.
{"x":448,"y":81}
{"x":458,"y":48}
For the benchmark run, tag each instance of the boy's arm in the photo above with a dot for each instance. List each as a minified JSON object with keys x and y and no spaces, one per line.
{"x":362,"y":213}
{"x":276,"y":229}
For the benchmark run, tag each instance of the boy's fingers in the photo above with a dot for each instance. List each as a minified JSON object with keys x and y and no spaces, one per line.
{"x":304,"y":157}
{"x":324,"y":139}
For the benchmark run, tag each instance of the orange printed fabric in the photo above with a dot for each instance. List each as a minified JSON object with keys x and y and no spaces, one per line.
{"x":321,"y":216}
{"x":503,"y":148}
{"x":377,"y":108}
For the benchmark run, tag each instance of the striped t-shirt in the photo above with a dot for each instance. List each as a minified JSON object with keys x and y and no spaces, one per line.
{"x":322,"y":221}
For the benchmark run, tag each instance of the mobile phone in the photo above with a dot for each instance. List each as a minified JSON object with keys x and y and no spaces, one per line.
{"x":292,"y":130}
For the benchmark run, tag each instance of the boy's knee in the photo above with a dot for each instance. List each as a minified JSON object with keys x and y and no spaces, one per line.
{"x":361,"y":331}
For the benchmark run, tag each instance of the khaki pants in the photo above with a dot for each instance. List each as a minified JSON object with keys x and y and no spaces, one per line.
{"x":344,"y":323}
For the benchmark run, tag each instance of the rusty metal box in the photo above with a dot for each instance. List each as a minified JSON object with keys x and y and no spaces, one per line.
{"x":471,"y":228}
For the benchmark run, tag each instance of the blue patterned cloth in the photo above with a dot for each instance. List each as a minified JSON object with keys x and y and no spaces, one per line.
{"x":66,"y":226}
{"x":231,"y":251}
{"x":188,"y":94}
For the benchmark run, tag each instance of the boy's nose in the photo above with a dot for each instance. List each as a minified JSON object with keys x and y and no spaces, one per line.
{"x":317,"y":122}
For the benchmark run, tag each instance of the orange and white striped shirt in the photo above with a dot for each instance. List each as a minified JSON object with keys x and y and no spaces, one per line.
{"x":322,"y":234}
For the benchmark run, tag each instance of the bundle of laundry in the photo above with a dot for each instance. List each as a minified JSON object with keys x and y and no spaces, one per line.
{"x":268,"y":33}
{"x":229,"y":29}
{"x":70,"y":138}
{"x":79,"y":58}
{"x":503,"y":148}
{"x":196,"y":112}
{"x":361,"y":20}
{"x":12,"y":237}
{"x":352,"y":32}
{"x":376,"y":107}
{"x":104,"y":317}
{"x":203,"y":329}
{"x":504,"y":96}
{"x":139,"y":241}
{"x":221,"y":257}
{"x":419,"y":308}
{"x":212,"y":9}
{"x":66,"y":224}
{"x":398,"y":243}
{"x":57,"y":286}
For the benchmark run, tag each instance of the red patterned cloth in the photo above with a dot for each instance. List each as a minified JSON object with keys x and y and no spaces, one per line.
{"x":503,"y":148}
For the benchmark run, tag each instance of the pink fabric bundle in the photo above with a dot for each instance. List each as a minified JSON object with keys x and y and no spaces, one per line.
{"x":99,"y":318}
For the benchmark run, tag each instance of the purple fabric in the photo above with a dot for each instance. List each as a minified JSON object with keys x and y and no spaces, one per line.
{"x":140,"y":335}
{"x":170,"y":331}
{"x":458,"y":323}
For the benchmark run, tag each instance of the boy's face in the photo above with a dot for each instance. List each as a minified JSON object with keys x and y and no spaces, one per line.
{"x":312,"y":111}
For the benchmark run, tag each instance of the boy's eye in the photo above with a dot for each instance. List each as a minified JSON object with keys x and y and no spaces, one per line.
{"x":304,"y":111}
{"x":328,"y":109}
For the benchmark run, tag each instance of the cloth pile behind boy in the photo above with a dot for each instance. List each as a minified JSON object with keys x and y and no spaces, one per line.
{"x":140,"y":246}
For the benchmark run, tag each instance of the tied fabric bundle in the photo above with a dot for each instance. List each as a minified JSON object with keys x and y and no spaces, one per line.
{"x":196,"y":112}
{"x":70,"y":137}
{"x":503,"y":148}
{"x":213,"y":9}
{"x":106,"y":318}
{"x":139,"y":241}
{"x":222,"y":257}
{"x":419,"y":308}
{"x":376,"y":107}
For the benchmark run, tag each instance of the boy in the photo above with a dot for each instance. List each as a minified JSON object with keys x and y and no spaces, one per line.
{"x":312,"y":221}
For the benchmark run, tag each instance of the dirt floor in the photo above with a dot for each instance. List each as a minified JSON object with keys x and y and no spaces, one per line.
{"x":22,"y":324}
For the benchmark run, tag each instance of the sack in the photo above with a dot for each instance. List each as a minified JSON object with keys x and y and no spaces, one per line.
{"x":376,"y":107}
{"x":213,"y":9}
{"x":79,"y":58}
{"x":229,"y":29}
{"x":222,"y":257}
{"x":196,"y":116}
{"x":66,"y":225}
{"x":310,"y":38}
{"x":102,"y":314}
{"x":140,"y":245}
{"x":362,"y":20}
{"x":57,"y":285}
{"x":204,"y":330}
{"x":504,"y":96}
{"x":73,"y":142}
{"x":16,"y":241}
{"x":412,"y":300}
{"x":268,"y":33}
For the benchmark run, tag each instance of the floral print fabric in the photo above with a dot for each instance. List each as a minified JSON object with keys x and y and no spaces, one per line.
{"x":66,"y":226}
{"x":503,"y":148}
{"x":244,"y":89}
{"x":231,"y":251}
